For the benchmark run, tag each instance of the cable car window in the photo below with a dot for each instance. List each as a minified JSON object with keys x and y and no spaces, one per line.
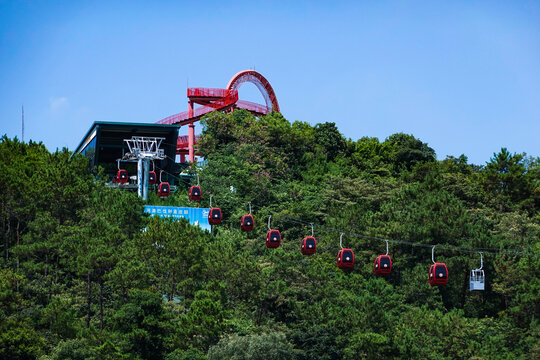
{"x":274,"y":237}
{"x":441,"y":270}
{"x":347,"y":257}
{"x":477,"y":275}
{"x":385,"y":263}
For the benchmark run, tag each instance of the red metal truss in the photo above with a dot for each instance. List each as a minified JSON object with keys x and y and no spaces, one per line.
{"x":183,"y":141}
{"x":184,"y":119}
{"x":262,"y":84}
{"x":222,"y":100}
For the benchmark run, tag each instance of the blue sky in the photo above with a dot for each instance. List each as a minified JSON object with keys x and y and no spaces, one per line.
{"x":463,"y":76}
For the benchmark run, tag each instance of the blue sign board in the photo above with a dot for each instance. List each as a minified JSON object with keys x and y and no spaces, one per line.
{"x":195,"y":216}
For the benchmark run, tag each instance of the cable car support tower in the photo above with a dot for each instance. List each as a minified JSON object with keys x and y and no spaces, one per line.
{"x":143,"y":149}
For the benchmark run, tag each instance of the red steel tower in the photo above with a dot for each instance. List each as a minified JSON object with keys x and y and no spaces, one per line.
{"x":222,"y":100}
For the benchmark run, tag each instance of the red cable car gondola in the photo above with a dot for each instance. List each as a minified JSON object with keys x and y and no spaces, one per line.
{"x":214,"y":215}
{"x":195,"y":193}
{"x":122,"y":176}
{"x":308,"y":245}
{"x":152,"y":178}
{"x":383,"y":263}
{"x":273,"y":236}
{"x":164,"y":189}
{"x":438,"y":272}
{"x":247,"y":222}
{"x":345,"y":257}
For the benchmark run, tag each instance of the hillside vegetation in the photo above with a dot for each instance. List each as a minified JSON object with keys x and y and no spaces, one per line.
{"x":85,"y":275}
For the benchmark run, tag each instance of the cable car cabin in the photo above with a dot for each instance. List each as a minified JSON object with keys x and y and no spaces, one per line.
{"x":122,"y":176}
{"x":247,"y":223}
{"x":345,"y":258}
{"x":382,"y":265}
{"x":477,"y":280}
{"x":164,"y":189}
{"x":214,"y":216}
{"x":309,"y":245}
{"x":195,"y":193}
{"x":438,"y":274}
{"x":152,"y":178}
{"x":273,"y":239}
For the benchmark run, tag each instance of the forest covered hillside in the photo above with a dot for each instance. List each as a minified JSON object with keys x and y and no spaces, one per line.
{"x":85,"y":275}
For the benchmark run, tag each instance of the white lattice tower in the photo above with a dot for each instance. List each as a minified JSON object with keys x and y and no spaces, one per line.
{"x":143,"y":149}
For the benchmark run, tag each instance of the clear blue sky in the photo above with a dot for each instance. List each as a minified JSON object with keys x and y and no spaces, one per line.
{"x":463,"y":76}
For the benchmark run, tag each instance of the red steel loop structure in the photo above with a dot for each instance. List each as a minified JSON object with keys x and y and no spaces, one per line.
{"x":221,"y":100}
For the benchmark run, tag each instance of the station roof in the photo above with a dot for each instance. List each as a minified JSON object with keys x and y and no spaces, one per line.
{"x":118,"y":131}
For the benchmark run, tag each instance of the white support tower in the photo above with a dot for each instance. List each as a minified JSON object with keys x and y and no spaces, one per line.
{"x":143,"y":149}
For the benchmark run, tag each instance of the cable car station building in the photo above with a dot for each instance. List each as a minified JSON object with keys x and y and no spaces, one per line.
{"x":104,"y":146}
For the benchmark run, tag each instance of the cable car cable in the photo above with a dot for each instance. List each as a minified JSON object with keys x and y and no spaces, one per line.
{"x":469,"y":250}
{"x":403,"y":242}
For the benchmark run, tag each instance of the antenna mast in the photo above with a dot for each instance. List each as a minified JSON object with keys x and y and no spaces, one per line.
{"x":22,"y":123}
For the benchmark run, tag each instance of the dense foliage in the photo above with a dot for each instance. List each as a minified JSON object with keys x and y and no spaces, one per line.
{"x":85,"y":275}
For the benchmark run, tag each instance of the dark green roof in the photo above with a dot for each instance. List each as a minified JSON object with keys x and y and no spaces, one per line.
{"x":121,"y":125}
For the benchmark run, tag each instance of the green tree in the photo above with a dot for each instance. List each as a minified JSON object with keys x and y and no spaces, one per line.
{"x":328,"y":137}
{"x":140,"y":325}
{"x":204,"y":322}
{"x":272,"y":346}
{"x":18,"y":340}
{"x":505,"y":180}
{"x":409,"y":151}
